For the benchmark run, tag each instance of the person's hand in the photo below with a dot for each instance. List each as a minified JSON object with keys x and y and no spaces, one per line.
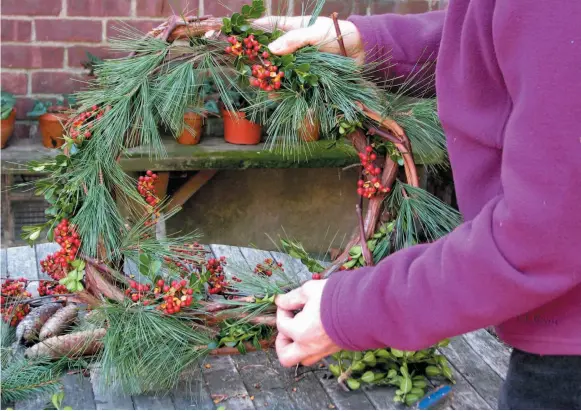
{"x":302,"y":338}
{"x":321,"y":33}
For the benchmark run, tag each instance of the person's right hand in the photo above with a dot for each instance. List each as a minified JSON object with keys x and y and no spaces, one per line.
{"x":321,"y":33}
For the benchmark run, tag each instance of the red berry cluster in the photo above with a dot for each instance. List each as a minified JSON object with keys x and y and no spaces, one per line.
{"x":169,"y":298}
{"x":268,"y":267}
{"x":249,"y":46}
{"x":146,"y":188}
{"x":51,"y":288}
{"x":175,"y":297}
{"x":266,"y":76}
{"x":371,"y":186}
{"x":316,"y":276}
{"x":83,"y":123}
{"x":217,"y":282}
{"x":56,"y":265}
{"x":15,"y":289}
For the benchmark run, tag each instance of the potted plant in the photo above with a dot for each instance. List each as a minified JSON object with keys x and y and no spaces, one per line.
{"x":8,"y":116}
{"x":310,"y":128}
{"x":52,"y":118}
{"x":192,"y":129}
{"x":237,"y":128}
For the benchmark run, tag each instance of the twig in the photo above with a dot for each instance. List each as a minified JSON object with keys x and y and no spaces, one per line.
{"x":340,"y":383}
{"x":214,"y":306}
{"x":403,"y":146}
{"x":363,"y":238}
{"x":335,"y":17}
{"x":30,"y":300}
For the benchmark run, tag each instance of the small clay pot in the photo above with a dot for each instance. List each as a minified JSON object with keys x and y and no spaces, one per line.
{"x":191,"y":135}
{"x":310,"y":131}
{"x":52,"y":129}
{"x":239,"y":130}
{"x":8,"y":127}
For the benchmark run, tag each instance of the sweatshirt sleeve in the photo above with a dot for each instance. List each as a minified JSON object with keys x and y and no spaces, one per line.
{"x":402,"y":45}
{"x":524,"y":248}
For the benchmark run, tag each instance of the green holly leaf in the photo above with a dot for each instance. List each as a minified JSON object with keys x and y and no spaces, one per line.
{"x":353,"y":384}
{"x":411,"y":399}
{"x":432,"y":371}
{"x":368,"y":377}
{"x":406,"y":385}
{"x":246,"y":10}
{"x":155,"y":267}
{"x":335,"y":370}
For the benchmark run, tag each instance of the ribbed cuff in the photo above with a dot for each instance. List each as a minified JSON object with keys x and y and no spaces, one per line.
{"x":335,"y":321}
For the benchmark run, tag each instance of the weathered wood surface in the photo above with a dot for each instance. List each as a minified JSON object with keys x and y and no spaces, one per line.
{"x":22,"y":262}
{"x":257,"y":380}
{"x":212,"y":153}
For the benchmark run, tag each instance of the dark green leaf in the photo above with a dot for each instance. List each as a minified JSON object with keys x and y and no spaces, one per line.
{"x":155,"y":267}
{"x":246,"y":9}
{"x":304,"y":68}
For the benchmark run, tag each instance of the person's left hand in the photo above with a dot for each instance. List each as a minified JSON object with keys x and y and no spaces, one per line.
{"x":302,"y":338}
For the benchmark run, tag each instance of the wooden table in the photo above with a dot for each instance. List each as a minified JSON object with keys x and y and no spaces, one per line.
{"x":257,"y":381}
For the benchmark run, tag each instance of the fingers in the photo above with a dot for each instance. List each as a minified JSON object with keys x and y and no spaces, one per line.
{"x":288,"y":352}
{"x":294,"y":40}
{"x":283,"y":23}
{"x":286,"y":324}
{"x":293,"y":300}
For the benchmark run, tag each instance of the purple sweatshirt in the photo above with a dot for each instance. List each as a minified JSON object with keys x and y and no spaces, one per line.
{"x":508,"y":81}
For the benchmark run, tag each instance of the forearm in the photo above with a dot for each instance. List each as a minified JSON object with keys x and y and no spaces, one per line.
{"x":402,"y":45}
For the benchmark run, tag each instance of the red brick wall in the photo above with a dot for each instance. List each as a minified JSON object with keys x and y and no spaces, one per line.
{"x":44,"y":41}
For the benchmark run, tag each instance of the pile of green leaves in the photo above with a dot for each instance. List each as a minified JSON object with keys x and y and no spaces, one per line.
{"x":236,"y":334}
{"x":406,"y":370}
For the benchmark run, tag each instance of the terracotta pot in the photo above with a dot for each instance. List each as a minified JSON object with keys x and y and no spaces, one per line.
{"x":52,"y":129}
{"x":8,"y":127}
{"x":310,"y":131}
{"x":239,"y":130}
{"x":191,"y":135}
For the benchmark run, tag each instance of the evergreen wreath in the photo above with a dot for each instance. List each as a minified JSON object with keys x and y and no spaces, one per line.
{"x":145,"y":334}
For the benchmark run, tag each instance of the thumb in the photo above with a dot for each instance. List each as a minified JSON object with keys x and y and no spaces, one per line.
{"x":294,"y":40}
{"x":284,"y":23}
{"x":293,"y":300}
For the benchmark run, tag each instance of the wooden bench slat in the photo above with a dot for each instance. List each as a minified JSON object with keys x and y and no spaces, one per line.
{"x":38,"y":402}
{"x":192,"y":394}
{"x":472,"y":367}
{"x":78,"y":392}
{"x":223,"y":379}
{"x":382,"y":397}
{"x":152,"y":402}
{"x":3,"y":263}
{"x":492,"y":351}
{"x":21,"y":262}
{"x":293,"y":266}
{"x":464,"y":396}
{"x":263,"y":382}
{"x":353,"y":400}
{"x":306,"y":393}
{"x":107,"y":398}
